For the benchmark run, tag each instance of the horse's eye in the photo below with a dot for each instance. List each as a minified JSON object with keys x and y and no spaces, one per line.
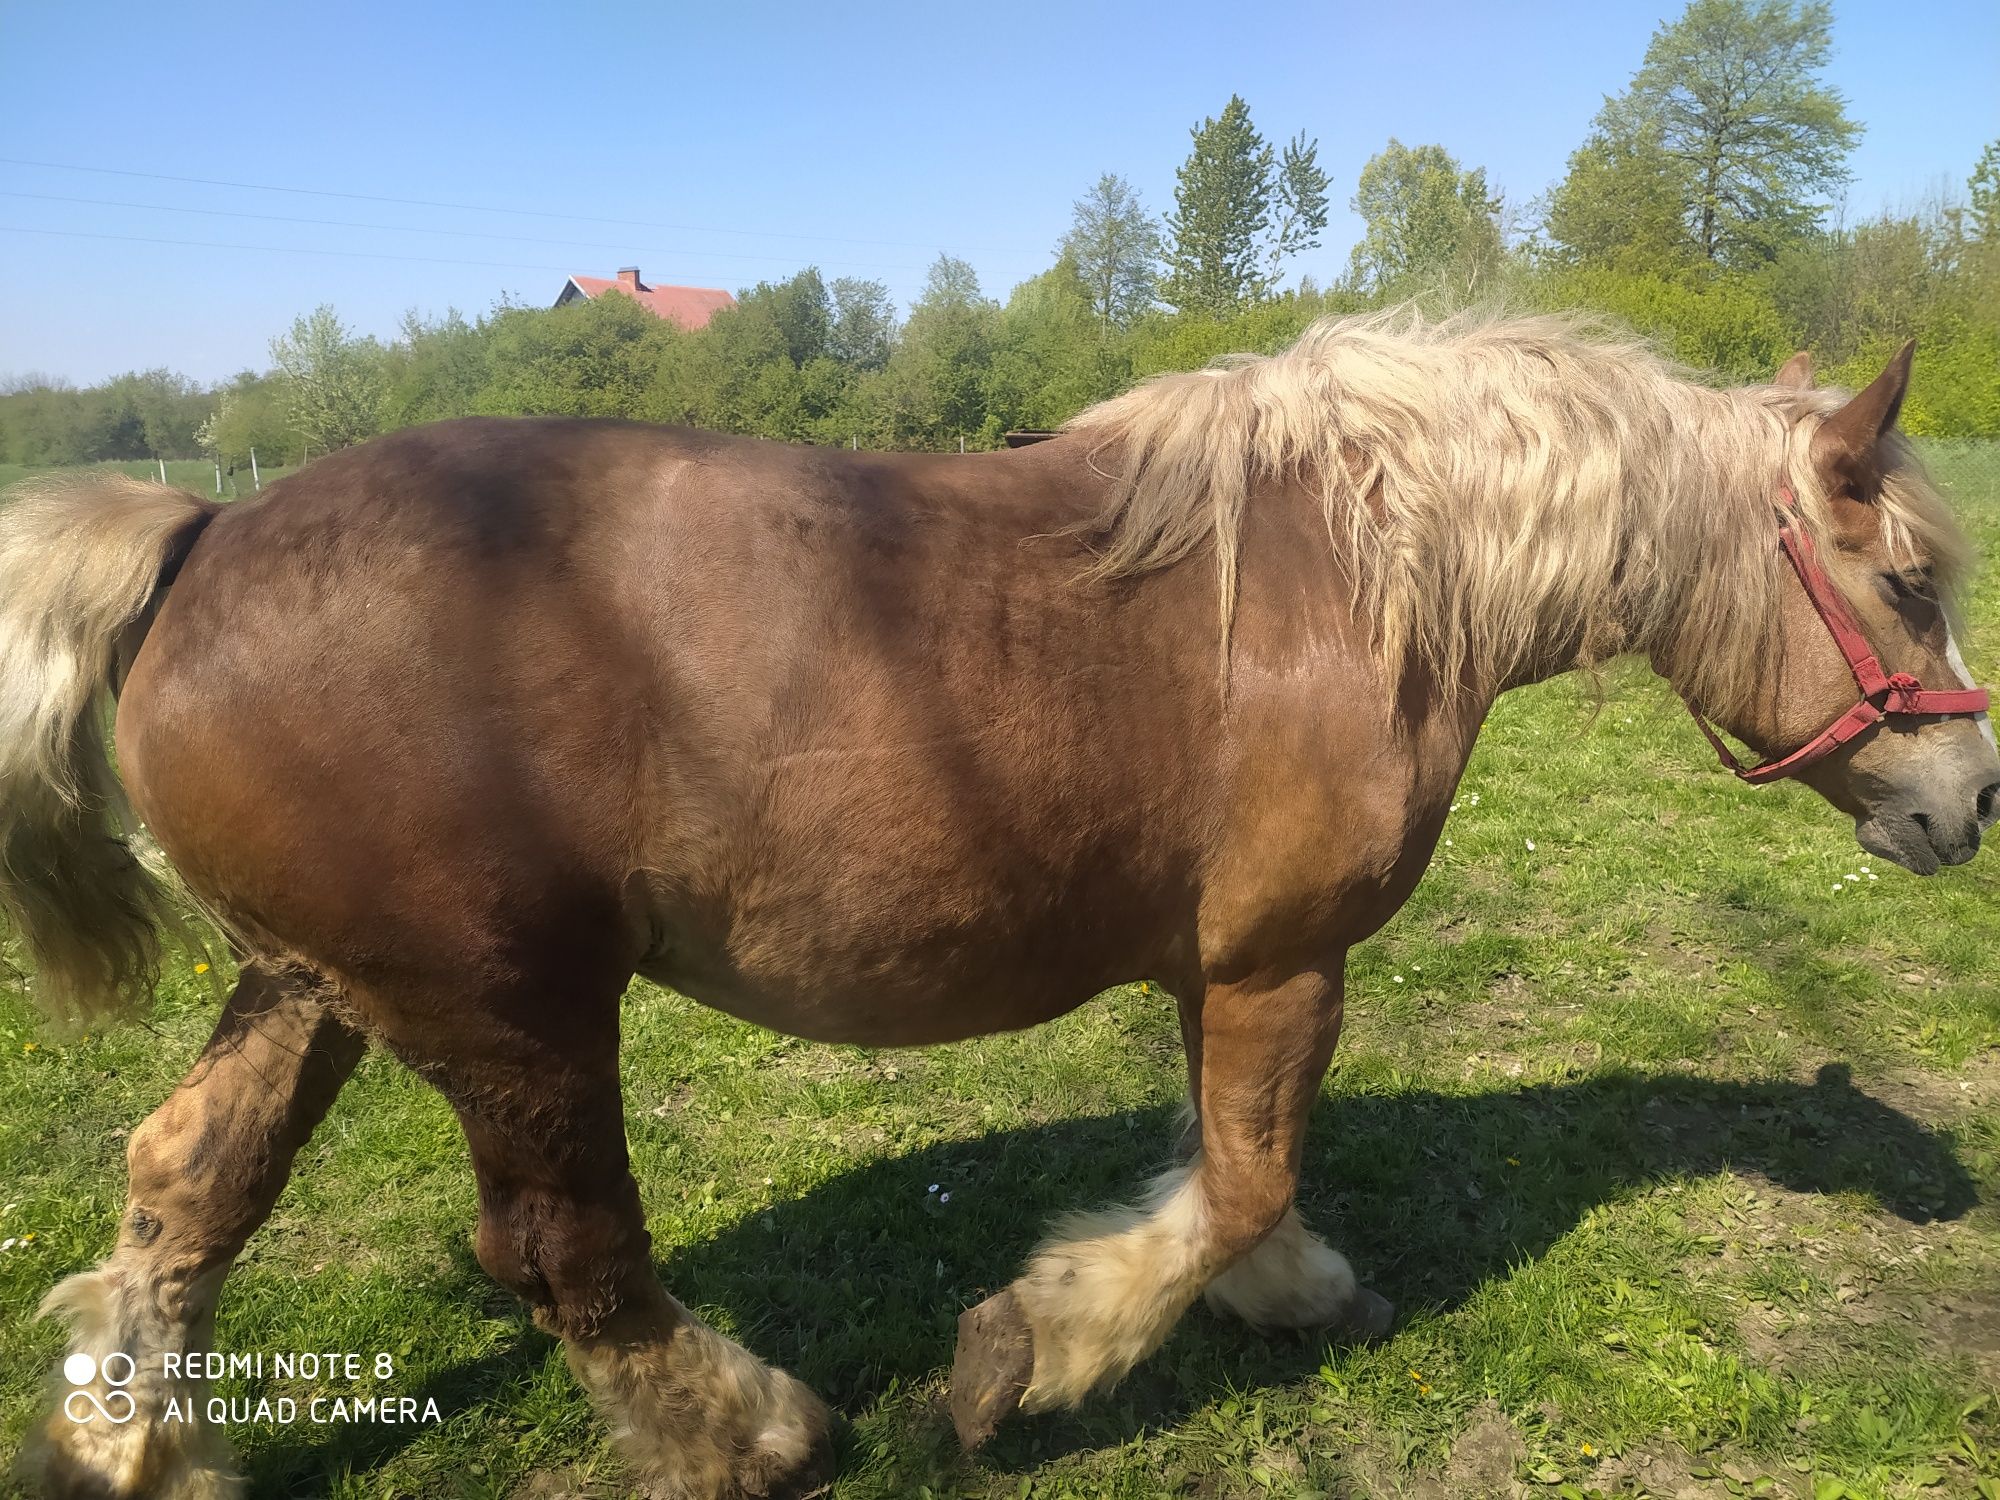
{"x":1911,"y":585}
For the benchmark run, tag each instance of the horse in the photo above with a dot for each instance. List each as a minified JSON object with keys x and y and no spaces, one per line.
{"x":452,"y":733}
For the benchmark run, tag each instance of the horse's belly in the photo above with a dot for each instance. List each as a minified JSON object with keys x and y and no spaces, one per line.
{"x":872,"y":955}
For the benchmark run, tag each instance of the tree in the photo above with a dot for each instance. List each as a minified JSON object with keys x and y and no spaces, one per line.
{"x":1114,"y":245}
{"x":1222,"y":209}
{"x":587,"y":358}
{"x":1622,"y":205}
{"x":935,"y":387}
{"x":1051,"y":354}
{"x":249,"y":415}
{"x":1426,"y":219}
{"x":1729,"y":115}
{"x":435,"y":370}
{"x":864,"y":323}
{"x":333,"y":382}
{"x":1983,"y":196}
{"x":1301,"y":203}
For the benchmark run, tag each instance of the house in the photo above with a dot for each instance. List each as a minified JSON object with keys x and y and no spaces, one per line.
{"x":689,"y":306}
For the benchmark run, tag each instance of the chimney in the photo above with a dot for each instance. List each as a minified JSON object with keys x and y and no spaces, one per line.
{"x":628,"y":277}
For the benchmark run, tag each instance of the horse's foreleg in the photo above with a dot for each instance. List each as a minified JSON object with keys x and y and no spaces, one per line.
{"x":1106,"y":1289}
{"x":696,"y":1415}
{"x":205,"y":1169}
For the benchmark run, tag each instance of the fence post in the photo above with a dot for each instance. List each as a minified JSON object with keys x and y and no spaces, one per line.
{"x":218,"y":476}
{"x":256,"y":483}
{"x":163,"y":469}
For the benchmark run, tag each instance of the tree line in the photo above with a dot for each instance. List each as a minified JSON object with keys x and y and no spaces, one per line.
{"x":1698,"y":210}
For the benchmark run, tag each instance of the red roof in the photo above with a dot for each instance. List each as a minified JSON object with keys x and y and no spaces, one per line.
{"x":689,"y":306}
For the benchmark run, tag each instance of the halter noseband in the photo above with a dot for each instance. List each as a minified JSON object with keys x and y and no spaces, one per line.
{"x":1882,"y":694}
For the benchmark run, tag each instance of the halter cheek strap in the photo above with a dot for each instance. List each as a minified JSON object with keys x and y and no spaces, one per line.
{"x":1882,"y":694}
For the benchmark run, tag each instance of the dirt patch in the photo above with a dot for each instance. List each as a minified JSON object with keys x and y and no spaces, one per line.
{"x":573,"y":1482}
{"x":1484,"y":1458}
{"x":1677,"y":952}
{"x":1660,"y":1469}
{"x":1481,"y":1466}
{"x":1942,"y":1097}
{"x":1962,"y":1323}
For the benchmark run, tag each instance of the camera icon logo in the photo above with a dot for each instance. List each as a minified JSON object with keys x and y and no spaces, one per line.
{"x":116,"y":1405}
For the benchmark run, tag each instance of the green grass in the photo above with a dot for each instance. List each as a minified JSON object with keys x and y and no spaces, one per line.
{"x":196,"y":474}
{"x":1678,"y":1148}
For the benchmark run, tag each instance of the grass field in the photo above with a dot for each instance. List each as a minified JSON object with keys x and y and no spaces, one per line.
{"x":196,"y":474}
{"x":1670,"y":1120}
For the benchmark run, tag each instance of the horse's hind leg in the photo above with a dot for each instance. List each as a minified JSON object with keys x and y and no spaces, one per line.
{"x":205,"y":1169}
{"x":1105,"y":1290}
{"x":696,"y":1415}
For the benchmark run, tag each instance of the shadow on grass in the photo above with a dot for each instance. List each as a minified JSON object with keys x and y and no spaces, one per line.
{"x":859,"y":1282}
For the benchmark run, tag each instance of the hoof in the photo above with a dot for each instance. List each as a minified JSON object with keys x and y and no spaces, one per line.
{"x":788,"y":1475}
{"x":995,"y":1362}
{"x":1369,"y":1318}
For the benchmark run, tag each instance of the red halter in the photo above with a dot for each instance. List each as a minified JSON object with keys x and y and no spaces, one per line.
{"x":1881,"y":694}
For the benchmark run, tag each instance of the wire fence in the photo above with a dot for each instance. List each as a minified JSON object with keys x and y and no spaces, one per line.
{"x":1968,"y":468}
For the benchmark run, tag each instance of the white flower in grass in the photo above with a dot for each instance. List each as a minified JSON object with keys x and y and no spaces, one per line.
{"x":944,"y":1197}
{"x":1531,"y":845}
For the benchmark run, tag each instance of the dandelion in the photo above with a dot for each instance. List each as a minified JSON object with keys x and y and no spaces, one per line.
{"x":201,"y":968}
{"x":1513,"y":1161}
{"x":1586,"y":1450}
{"x":1422,"y":1389}
{"x":27,"y":1046}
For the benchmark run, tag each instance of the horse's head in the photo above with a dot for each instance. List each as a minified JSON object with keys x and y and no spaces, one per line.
{"x":1922,"y":782}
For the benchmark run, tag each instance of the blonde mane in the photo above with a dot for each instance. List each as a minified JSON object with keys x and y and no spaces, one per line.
{"x":1498,"y":489}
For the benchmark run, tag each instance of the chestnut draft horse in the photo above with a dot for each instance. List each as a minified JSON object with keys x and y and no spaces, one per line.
{"x":454,"y":732}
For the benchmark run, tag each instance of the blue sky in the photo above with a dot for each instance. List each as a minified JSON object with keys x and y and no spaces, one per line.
{"x":752,"y":139}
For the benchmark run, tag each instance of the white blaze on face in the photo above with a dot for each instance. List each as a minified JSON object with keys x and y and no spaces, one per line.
{"x":1958,"y":665}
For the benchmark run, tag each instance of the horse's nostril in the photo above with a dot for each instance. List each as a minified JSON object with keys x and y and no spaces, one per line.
{"x":1988,"y":796}
{"x":1922,"y":820}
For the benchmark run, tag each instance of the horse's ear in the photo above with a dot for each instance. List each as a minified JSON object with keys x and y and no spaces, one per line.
{"x":1795,"y":374}
{"x":1846,"y":442}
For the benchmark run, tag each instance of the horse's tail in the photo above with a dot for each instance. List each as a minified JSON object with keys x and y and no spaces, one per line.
{"x":83,"y":563}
